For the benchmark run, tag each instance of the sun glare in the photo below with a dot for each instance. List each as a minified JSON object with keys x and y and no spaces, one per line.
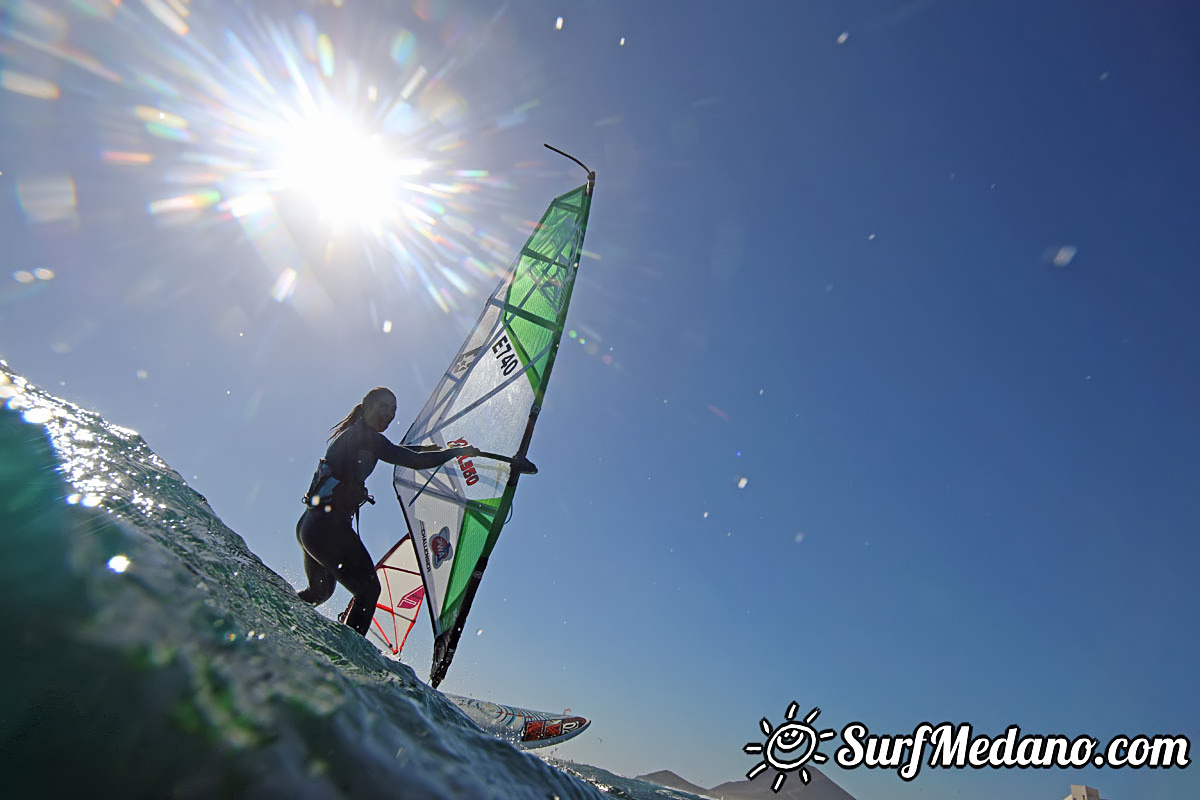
{"x":346,"y":173}
{"x":319,"y":124}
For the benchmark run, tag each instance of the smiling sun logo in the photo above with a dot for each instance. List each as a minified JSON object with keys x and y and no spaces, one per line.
{"x":788,"y":747}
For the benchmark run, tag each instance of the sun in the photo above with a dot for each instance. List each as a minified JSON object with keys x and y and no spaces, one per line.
{"x":339,"y":168}
{"x":347,"y":173}
{"x":782,"y":741}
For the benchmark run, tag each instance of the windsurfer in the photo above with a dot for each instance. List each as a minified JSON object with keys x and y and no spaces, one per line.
{"x":333,"y":551}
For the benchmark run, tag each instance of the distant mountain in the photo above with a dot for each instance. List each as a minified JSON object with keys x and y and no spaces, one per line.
{"x":819,"y":787}
{"x":670,"y":780}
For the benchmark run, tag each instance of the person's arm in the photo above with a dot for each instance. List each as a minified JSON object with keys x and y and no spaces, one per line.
{"x":419,"y":457}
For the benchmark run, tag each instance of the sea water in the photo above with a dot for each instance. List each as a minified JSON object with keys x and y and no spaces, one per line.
{"x":147,"y":652}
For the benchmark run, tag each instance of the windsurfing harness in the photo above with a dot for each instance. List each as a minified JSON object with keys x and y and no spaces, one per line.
{"x":335,"y":495}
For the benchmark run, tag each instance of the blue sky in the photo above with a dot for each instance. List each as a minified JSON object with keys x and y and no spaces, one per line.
{"x":922,"y":274}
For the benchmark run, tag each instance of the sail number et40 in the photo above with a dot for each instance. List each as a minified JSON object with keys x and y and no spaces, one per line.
{"x":503,"y":351}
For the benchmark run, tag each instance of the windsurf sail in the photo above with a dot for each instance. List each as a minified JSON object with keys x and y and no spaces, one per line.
{"x":490,"y":398}
{"x":400,"y":597}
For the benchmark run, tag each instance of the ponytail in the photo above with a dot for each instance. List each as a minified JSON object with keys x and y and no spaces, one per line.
{"x":351,"y":418}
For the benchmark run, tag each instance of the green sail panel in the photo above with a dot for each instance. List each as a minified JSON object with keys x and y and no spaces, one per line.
{"x":489,"y":397}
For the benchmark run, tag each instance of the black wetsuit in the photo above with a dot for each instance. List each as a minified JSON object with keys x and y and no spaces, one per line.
{"x":332,"y":548}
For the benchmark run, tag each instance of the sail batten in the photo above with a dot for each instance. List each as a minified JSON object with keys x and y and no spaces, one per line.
{"x":543,"y":259}
{"x":489,"y":397}
{"x":548,"y":324}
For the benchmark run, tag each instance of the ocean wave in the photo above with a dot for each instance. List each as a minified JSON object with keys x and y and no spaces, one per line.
{"x":152,"y":654}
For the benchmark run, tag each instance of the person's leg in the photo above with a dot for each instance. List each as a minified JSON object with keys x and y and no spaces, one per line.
{"x":330,"y":542}
{"x":320,"y":579}
{"x":320,"y":582}
{"x":356,"y":571}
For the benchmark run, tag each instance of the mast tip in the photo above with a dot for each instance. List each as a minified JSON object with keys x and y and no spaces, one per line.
{"x":589,"y":171}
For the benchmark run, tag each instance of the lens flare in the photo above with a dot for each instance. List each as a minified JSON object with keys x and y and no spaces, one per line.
{"x":291,"y":126}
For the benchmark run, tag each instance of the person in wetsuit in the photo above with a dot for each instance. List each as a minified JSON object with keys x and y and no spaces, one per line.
{"x":333,"y":551}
